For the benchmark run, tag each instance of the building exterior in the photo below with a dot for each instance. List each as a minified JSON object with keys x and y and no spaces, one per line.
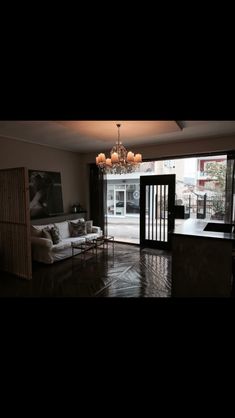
{"x":204,"y":180}
{"x":193,"y":184}
{"x":123,"y":191}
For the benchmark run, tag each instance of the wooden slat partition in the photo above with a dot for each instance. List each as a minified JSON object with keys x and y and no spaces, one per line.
{"x":15,"y":245}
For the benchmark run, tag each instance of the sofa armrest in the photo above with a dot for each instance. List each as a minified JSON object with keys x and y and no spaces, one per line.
{"x":96,"y":229}
{"x":41,"y":242}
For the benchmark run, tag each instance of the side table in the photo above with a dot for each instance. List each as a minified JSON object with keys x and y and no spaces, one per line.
{"x":109,"y":238}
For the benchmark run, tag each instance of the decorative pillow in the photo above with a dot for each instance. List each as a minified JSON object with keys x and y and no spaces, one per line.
{"x":46,"y":233}
{"x":55,"y":235}
{"x":78,"y":228}
{"x":89,"y":225}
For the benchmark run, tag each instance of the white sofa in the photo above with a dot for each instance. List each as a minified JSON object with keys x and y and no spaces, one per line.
{"x":43,"y":249}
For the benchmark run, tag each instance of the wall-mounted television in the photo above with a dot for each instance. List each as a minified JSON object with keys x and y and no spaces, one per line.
{"x":45,"y":194}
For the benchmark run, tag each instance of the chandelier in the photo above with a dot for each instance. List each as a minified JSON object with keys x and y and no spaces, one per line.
{"x":121,"y":161}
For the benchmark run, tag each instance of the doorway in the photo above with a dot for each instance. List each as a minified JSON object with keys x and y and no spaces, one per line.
{"x":157,"y":200}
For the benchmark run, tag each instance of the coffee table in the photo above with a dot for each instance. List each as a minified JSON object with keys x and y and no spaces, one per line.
{"x":102,"y":240}
{"x":83,"y":246}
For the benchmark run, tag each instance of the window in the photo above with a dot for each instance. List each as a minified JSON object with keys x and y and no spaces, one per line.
{"x":132,"y":198}
{"x":169,"y":163}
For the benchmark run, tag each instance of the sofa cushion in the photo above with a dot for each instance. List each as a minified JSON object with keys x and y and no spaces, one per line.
{"x":38,"y":242}
{"x":89,"y":225}
{"x":97,"y":230}
{"x":35,"y":232}
{"x":66,"y":243}
{"x":61,"y":245}
{"x":46,"y":233}
{"x":55,"y":235}
{"x":63,"y":229}
{"x":77,"y":228}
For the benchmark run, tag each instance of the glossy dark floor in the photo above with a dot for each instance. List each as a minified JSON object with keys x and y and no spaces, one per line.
{"x":124,"y":272}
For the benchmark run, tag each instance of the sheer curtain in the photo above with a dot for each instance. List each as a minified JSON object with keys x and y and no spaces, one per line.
{"x":98,"y":198}
{"x":230,"y":189}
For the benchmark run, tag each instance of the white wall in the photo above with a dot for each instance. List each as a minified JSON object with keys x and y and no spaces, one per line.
{"x":15,"y":153}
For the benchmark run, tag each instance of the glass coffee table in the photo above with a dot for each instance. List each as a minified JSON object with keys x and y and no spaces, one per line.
{"x":101,"y":241}
{"x":83,"y":247}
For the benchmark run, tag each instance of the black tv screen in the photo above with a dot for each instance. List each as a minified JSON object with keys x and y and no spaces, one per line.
{"x":45,"y":194}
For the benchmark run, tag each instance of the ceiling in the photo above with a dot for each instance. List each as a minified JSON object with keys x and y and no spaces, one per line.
{"x":98,"y":136}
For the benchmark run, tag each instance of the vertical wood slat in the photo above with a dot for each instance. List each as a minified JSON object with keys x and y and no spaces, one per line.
{"x":27,"y":223}
{"x":15,"y":245}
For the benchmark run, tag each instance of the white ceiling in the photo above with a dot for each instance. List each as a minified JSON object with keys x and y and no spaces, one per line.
{"x":98,"y":136}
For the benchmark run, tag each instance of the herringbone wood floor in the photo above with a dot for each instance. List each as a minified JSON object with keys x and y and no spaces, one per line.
{"x":124,"y":272}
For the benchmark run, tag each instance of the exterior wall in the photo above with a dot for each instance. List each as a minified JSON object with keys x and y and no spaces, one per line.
{"x":204,"y":180}
{"x":37,"y":157}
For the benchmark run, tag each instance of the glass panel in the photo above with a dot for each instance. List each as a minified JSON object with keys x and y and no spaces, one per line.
{"x":110,"y":200}
{"x":195,"y":177}
{"x":160,"y":208}
{"x":154,"y":212}
{"x":150,"y":214}
{"x":166,"y":214}
{"x":120,"y":202}
{"x":132,"y":198}
{"x":230,"y":190}
{"x":147,"y":212}
{"x":152,"y":204}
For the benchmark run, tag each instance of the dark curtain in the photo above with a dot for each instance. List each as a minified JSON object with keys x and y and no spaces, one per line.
{"x":230,"y":189}
{"x":98,"y":198}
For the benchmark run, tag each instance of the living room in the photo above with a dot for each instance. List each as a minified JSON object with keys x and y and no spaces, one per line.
{"x":69,"y":148}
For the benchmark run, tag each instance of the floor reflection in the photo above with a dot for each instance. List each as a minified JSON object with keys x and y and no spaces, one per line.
{"x":126,"y":272}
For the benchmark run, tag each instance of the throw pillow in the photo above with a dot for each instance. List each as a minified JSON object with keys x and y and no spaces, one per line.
{"x":46,"y":233}
{"x":55,"y":235}
{"x":89,"y":225}
{"x":78,"y":228}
